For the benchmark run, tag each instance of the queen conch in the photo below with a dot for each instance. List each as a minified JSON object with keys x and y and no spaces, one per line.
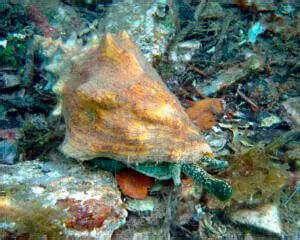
{"x":116,"y":105}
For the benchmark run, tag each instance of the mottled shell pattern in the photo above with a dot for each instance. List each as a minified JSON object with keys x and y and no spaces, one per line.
{"x":116,"y":105}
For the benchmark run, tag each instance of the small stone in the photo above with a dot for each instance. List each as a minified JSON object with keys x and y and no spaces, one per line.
{"x":188,"y":206}
{"x":140,"y":206}
{"x":292,"y":106}
{"x":8,"y":134}
{"x":148,"y":232}
{"x":3,"y":43}
{"x":248,"y":236}
{"x":265,"y":217}
{"x":267,"y":120}
{"x":225,"y":78}
{"x":3,"y":112}
{"x":217,"y":141}
{"x":152,"y":233}
{"x":182,"y":53}
{"x":255,"y":30}
{"x":212,"y":10}
{"x":287,"y":8}
{"x":8,"y":152}
{"x":9,"y":80}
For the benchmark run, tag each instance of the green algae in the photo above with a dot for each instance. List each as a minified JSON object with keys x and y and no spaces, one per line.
{"x":14,"y":52}
{"x":34,"y":220}
{"x":255,"y":177}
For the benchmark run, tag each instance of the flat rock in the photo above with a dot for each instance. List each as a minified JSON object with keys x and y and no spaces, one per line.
{"x":144,"y":233}
{"x":265,"y":218}
{"x":292,"y":106}
{"x":143,"y":205}
{"x":9,"y":80}
{"x":8,"y":152}
{"x":90,"y":201}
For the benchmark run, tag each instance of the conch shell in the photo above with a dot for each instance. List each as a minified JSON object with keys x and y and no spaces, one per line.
{"x":116,"y":105}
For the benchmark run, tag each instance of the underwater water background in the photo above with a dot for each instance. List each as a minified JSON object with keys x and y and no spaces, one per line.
{"x":158,"y":119}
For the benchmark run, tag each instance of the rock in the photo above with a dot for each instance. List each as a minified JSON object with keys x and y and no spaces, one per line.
{"x":287,"y":8}
{"x":188,"y":206}
{"x":8,"y":152}
{"x":265,"y":218}
{"x":248,"y":236}
{"x":8,"y":80}
{"x":182,"y":53}
{"x":144,"y":23}
{"x":10,"y":133}
{"x":293,"y":154}
{"x":144,"y":233}
{"x":267,"y":120}
{"x":152,"y":234}
{"x":292,"y":106}
{"x":67,"y":20}
{"x":217,"y":141}
{"x":88,"y":2}
{"x":227,"y":77}
{"x":3,"y":43}
{"x":260,"y":5}
{"x":255,"y":30}
{"x":144,"y":206}
{"x":82,"y":204}
{"x":3,"y":111}
{"x":212,"y":10}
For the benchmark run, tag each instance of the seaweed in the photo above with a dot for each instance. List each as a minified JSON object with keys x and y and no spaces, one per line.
{"x":14,"y":52}
{"x":38,"y":136}
{"x":255,"y":177}
{"x":33,"y":220}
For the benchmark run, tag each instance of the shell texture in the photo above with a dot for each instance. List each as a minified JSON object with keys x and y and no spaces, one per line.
{"x":116,"y":105}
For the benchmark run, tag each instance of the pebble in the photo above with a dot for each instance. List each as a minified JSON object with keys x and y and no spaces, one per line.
{"x":147,"y":232}
{"x":217,"y":141}
{"x":140,"y":206}
{"x":267,"y":120}
{"x":212,"y":10}
{"x":3,"y":43}
{"x":265,"y":218}
{"x":227,"y":77}
{"x":182,"y":53}
{"x":255,"y":30}
{"x":9,"y":81}
{"x":152,"y":233}
{"x":8,"y":152}
{"x":292,"y":106}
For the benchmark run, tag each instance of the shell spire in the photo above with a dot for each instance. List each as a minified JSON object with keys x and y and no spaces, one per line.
{"x":115,"y":105}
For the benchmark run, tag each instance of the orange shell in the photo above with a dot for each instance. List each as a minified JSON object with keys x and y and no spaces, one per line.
{"x":115,"y":105}
{"x":203,"y":113}
{"x":133,"y":184}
